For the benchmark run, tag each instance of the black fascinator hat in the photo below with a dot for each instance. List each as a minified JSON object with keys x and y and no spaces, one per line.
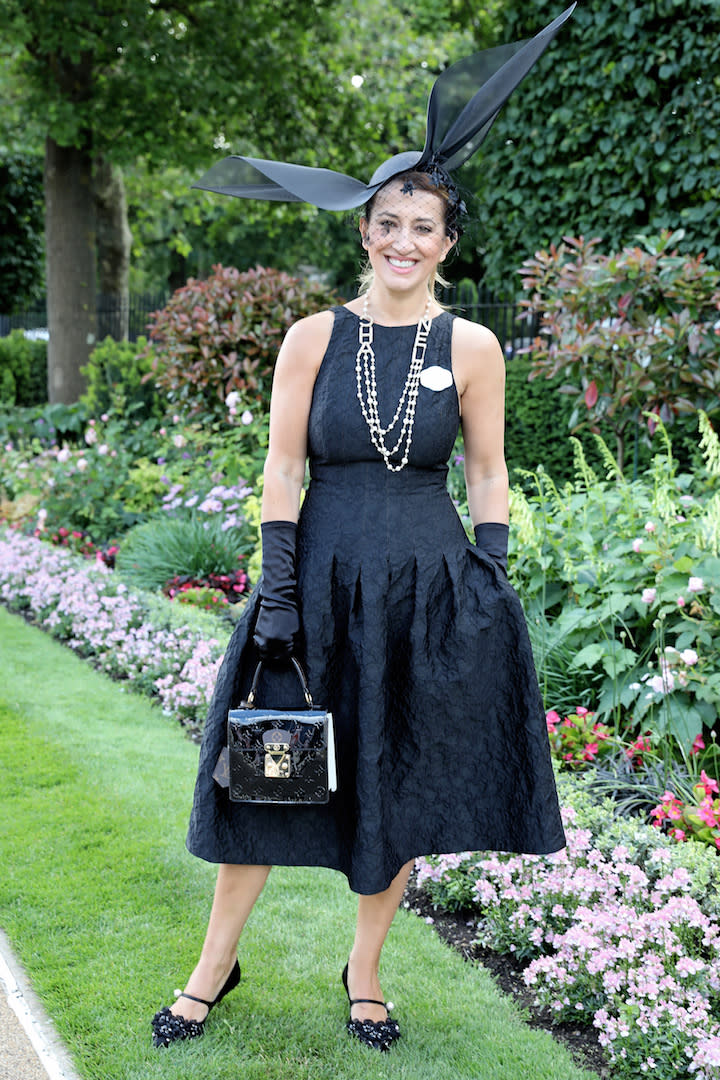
{"x":462,"y":107}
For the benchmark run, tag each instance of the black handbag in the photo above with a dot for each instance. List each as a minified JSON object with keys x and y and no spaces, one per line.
{"x":281,"y":756}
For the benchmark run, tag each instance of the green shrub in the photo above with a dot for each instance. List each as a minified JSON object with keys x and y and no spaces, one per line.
{"x":23,"y":370}
{"x":466,"y":298}
{"x":115,"y":381}
{"x":630,"y":332}
{"x":222,"y":335}
{"x":153,"y":553}
{"x":626,"y":577}
{"x":538,"y":422}
{"x":42,"y":425}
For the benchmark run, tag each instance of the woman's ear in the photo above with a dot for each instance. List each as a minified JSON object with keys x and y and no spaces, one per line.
{"x":450,"y":242}
{"x":363,"y":226}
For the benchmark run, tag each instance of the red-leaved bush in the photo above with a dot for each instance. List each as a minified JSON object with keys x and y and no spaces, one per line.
{"x":223,"y":334}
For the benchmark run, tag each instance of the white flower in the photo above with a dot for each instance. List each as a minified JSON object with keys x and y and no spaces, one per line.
{"x":103,"y":449}
{"x":247,"y":417}
{"x":91,"y":436}
{"x":648,"y":596}
{"x":637,"y":544}
{"x":660,"y":683}
{"x":82,"y":464}
{"x":689,"y":656}
{"x":695,"y":584}
{"x":650,"y":526}
{"x":232,"y":399}
{"x":179,"y":441}
{"x":63,"y":455}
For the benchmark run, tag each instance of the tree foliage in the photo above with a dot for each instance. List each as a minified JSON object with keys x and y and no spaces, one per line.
{"x":21,"y":250}
{"x":615,"y":132}
{"x":379,"y":60}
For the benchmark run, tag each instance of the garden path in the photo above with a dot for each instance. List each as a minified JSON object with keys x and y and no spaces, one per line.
{"x":30,"y":1048}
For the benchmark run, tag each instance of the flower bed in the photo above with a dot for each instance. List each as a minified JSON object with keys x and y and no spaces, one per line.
{"x":169,"y":653}
{"x":621,"y":929}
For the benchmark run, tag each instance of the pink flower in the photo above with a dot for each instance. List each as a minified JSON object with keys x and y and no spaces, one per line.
{"x":707,"y":782}
{"x":649,"y":527}
{"x":648,"y":596}
{"x":63,"y":455}
{"x":581,"y":710}
{"x":695,"y":584}
{"x":552,"y":719}
{"x":637,"y":544}
{"x":590,"y":751}
{"x":681,"y":601}
{"x":104,"y":418}
{"x":689,"y":657}
{"x":698,"y":745}
{"x":706,"y":813}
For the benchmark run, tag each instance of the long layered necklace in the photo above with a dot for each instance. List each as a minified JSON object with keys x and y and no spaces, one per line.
{"x":367,"y":389}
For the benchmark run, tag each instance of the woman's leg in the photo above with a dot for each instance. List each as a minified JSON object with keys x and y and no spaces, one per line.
{"x":236,"y":890}
{"x":375,"y":913}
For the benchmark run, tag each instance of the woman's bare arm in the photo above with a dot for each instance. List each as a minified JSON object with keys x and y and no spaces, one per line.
{"x":296,"y":369}
{"x":479,"y":368}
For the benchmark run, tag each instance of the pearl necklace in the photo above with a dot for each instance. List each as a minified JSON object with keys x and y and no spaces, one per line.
{"x":367,"y":388}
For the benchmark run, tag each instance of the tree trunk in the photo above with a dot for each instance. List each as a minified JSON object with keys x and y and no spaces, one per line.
{"x":70,"y":253}
{"x":113,"y":251}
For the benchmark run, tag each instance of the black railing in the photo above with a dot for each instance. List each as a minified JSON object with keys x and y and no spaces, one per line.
{"x":503,"y":317}
{"x":114,"y":312}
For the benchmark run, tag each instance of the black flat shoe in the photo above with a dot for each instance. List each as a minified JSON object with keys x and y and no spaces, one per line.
{"x":168,"y":1028}
{"x":379,"y":1034}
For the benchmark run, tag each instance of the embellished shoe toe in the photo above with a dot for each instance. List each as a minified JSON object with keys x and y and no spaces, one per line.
{"x":377,"y":1034}
{"x":168,"y":1028}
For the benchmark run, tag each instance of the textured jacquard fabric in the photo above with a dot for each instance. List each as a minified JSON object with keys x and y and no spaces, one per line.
{"x":411,"y":637}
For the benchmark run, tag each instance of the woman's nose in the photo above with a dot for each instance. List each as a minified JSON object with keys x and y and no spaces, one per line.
{"x":403,"y":240}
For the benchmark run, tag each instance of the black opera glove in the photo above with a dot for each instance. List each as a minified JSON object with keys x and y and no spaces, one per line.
{"x":278,"y":621}
{"x":492,"y":538}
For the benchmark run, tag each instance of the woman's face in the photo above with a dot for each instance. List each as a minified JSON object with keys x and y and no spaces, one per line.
{"x":405,"y":236}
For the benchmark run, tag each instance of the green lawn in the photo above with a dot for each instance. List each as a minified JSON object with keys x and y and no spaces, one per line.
{"x":106,"y":910}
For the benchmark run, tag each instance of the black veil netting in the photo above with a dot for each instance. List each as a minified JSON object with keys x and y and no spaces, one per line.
{"x":462,"y":107}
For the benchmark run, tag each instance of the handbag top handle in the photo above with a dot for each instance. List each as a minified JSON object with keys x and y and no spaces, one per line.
{"x":249,"y":702}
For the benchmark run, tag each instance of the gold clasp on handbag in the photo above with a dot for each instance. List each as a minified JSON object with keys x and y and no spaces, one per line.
{"x":277,"y":754}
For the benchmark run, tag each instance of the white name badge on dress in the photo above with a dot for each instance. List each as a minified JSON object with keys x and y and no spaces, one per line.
{"x":436,"y":378}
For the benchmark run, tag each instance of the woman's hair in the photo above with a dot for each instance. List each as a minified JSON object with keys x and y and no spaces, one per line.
{"x":436,"y":181}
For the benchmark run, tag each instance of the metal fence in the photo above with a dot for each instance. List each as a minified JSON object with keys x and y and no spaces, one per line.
{"x":113,"y":313}
{"x":502,"y":316}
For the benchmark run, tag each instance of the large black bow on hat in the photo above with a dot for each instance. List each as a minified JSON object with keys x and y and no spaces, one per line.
{"x":462,"y":107}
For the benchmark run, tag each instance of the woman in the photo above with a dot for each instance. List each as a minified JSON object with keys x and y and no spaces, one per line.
{"x":410,"y":635}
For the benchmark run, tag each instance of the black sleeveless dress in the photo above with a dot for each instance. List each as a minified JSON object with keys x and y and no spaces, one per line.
{"x":412,"y":638}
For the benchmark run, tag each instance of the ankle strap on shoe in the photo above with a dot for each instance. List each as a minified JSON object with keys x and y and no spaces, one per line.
{"x":200,"y":1001}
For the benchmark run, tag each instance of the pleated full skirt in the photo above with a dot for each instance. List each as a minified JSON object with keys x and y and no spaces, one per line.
{"x":418,"y":645}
